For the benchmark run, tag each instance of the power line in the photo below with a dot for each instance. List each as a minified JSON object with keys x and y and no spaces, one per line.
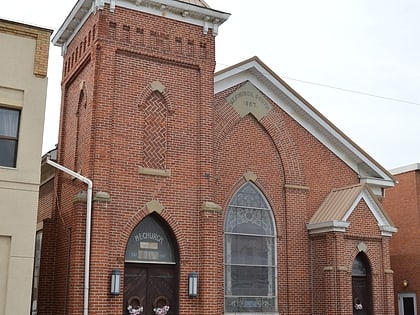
{"x":354,"y":91}
{"x":347,"y":90}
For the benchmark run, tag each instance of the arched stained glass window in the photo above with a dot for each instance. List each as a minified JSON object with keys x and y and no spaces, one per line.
{"x":150,"y":243}
{"x":250,"y":251}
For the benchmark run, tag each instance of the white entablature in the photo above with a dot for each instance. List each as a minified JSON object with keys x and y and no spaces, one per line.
{"x":195,"y":12}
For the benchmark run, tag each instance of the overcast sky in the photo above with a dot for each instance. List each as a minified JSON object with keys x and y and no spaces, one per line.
{"x":356,"y":61}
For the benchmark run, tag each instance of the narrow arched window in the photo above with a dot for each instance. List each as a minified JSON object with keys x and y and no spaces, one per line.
{"x":250,"y":251}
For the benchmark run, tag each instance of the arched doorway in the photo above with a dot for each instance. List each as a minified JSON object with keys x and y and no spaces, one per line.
{"x":151,"y":270}
{"x":361,"y":285}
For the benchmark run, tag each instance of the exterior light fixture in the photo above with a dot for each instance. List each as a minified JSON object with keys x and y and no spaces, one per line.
{"x":405,"y":283}
{"x":115,"y":281}
{"x":192,"y":284}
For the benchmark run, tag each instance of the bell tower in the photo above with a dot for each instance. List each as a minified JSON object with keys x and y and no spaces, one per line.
{"x":136,"y":119}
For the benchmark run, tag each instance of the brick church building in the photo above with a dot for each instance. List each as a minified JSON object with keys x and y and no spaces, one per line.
{"x":208,"y":193}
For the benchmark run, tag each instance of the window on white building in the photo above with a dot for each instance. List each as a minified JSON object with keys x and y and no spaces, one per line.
{"x":9,"y":126}
{"x":250,"y":253}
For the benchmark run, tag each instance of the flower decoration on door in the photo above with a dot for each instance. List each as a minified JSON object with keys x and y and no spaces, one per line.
{"x":161,"y":310}
{"x":357,"y":304}
{"x":136,"y":310}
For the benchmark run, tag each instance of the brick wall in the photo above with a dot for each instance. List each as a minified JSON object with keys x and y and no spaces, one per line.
{"x":108,"y":68}
{"x":112,"y":70}
{"x":402,"y":202}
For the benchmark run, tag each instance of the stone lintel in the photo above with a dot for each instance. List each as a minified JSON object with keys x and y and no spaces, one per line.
{"x":291,"y":186}
{"x":211,"y":207}
{"x":81,"y":196}
{"x":102,"y":196}
{"x":154,"y":172}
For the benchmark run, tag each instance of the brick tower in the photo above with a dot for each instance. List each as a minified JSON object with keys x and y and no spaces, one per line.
{"x":136,"y":119}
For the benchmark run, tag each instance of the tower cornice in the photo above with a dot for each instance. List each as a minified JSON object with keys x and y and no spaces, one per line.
{"x":185,"y":11}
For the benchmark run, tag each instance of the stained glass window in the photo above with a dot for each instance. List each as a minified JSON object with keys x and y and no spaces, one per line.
{"x":150,"y":242}
{"x":250,"y":273}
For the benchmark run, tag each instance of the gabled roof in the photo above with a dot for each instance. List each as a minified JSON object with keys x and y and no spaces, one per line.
{"x":196,"y":12}
{"x":269,"y":83}
{"x":334,"y":212}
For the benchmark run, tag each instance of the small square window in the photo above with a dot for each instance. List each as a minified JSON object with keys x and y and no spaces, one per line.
{"x":9,"y":127}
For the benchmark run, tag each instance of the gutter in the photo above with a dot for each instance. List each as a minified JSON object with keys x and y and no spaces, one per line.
{"x":88,"y":228}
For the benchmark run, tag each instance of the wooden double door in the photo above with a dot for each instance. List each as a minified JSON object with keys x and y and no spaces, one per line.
{"x":151,"y":286}
{"x":362,"y":293}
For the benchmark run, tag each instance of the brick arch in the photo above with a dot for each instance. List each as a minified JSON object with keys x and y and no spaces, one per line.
{"x":276,"y":128}
{"x":289,"y":153}
{"x":128,"y":229}
{"x":176,"y":230}
{"x":242,"y":181}
{"x":158,"y":87}
{"x":268,"y":196}
{"x":365,"y":254}
{"x":373,"y":263}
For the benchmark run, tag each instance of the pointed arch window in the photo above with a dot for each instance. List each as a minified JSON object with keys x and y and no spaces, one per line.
{"x":150,"y":242}
{"x":250,"y":253}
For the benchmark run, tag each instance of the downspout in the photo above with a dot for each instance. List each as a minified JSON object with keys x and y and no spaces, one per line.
{"x":88,"y":228}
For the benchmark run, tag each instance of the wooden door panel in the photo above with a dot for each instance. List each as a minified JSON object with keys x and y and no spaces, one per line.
{"x":362,"y":292}
{"x":153,"y":285}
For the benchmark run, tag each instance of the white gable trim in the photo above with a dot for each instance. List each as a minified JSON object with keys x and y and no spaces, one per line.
{"x":309,"y":119}
{"x":384,"y":225}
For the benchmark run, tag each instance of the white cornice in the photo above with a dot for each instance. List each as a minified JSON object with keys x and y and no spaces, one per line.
{"x":405,"y":169}
{"x":325,"y":227}
{"x":172,"y":9}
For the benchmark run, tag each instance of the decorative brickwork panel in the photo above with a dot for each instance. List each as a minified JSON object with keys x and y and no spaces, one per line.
{"x":80,"y":144}
{"x":155,"y":132}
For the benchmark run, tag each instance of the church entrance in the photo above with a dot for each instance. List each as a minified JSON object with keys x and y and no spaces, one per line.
{"x":151,"y":287}
{"x":361,"y":286}
{"x":151,"y":270}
